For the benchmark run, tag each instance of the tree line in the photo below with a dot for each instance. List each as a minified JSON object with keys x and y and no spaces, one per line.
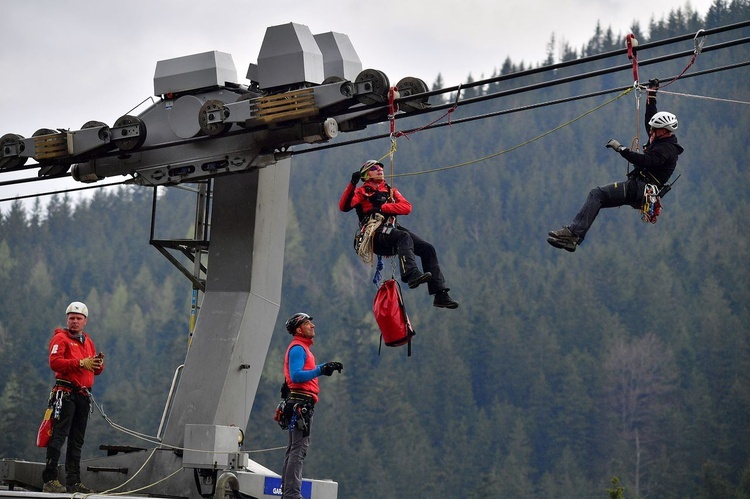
{"x":627,"y":359}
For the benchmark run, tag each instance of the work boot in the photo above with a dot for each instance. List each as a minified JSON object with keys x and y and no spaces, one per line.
{"x":416,"y":278}
{"x":563,"y":239}
{"x":79,"y":487}
{"x":54,"y":486}
{"x":567,"y":245}
{"x":564,"y":233}
{"x":443,"y":300}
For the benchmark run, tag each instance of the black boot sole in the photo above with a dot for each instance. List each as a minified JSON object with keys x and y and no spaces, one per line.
{"x":420,"y":280}
{"x":449,"y":305}
{"x":567,"y":245}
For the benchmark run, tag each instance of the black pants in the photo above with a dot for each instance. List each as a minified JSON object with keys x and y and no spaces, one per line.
{"x":74,"y":416}
{"x":628,"y":193}
{"x":406,"y":244}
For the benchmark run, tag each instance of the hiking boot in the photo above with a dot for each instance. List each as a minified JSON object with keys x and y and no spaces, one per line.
{"x":443,"y":300}
{"x":566,"y":244}
{"x":54,"y":486}
{"x":79,"y":487}
{"x":416,"y":278}
{"x":564,"y":233}
{"x":563,"y":239}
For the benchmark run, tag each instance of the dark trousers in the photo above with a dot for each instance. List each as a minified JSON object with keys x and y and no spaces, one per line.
{"x":74,"y":416}
{"x":291,"y":472}
{"x":406,"y":244}
{"x":628,"y":193}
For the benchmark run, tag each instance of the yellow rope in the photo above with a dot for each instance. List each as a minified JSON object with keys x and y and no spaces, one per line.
{"x":467,"y":163}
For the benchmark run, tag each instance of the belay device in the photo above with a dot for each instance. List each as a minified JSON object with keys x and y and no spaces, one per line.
{"x":391,"y":316}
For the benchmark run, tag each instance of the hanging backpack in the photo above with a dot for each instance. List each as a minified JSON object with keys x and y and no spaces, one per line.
{"x":45,"y":429}
{"x":390,"y":314}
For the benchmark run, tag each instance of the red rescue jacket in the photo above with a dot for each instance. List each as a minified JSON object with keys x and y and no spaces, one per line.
{"x":373,"y":197}
{"x":65,"y":351}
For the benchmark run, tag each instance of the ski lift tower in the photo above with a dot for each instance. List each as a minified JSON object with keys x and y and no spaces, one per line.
{"x":207,"y":128}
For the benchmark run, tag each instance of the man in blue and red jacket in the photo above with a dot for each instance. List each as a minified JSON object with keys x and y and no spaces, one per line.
{"x":301,"y":375}
{"x":374,"y":197}
{"x":73,"y":358}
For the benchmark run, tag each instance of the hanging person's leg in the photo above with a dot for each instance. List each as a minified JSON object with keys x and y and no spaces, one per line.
{"x":399,"y":242}
{"x":436,"y":285}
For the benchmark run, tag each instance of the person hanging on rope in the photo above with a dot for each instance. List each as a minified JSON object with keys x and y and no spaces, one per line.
{"x":654,"y":166}
{"x":376,"y":200}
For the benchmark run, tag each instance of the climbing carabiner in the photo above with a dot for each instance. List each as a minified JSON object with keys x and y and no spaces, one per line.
{"x":699,"y":44}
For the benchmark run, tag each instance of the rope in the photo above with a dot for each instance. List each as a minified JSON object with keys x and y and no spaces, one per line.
{"x":365,"y":249}
{"x":153,"y":439}
{"x":378,"y":275}
{"x":148,"y":486}
{"x":557,"y":128}
{"x":697,"y":50}
{"x":632,"y":43}
{"x":110,"y":491}
{"x":706,"y":97}
{"x":432,"y":123}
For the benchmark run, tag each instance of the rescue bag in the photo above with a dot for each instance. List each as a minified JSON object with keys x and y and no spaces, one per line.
{"x":390,"y":314}
{"x":45,"y":429}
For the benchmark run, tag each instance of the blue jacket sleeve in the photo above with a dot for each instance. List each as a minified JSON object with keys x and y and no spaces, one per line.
{"x":297,"y":359}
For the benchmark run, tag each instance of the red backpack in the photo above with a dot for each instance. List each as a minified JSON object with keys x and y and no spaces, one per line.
{"x":391,"y":317}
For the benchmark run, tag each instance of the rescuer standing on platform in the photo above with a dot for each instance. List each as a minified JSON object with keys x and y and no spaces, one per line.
{"x":73,"y":358}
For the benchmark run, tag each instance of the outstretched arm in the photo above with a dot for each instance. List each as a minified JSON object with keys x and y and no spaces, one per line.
{"x":297,"y":359}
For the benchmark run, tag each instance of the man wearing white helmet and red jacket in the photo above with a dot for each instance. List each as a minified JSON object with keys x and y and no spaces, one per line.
{"x":377,"y":197}
{"x":73,"y":358}
{"x":654,"y":166}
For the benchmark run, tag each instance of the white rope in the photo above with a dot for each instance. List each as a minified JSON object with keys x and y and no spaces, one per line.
{"x":704,"y":97}
{"x":365,"y":250}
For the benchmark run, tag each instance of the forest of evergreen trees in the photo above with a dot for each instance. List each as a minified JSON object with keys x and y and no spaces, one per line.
{"x":629,"y":358}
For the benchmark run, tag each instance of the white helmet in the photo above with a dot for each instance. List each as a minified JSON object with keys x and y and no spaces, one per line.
{"x":663,"y":119}
{"x":366,"y":167}
{"x":77,"y":308}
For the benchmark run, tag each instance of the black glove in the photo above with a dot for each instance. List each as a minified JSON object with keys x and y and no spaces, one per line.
{"x":356,"y":177}
{"x":379,"y":199}
{"x":328,"y":368}
{"x":613,"y":144}
{"x":653,"y":86}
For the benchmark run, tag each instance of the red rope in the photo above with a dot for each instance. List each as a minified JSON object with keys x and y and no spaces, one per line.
{"x":696,"y":51}
{"x":632,"y":43}
{"x":428,"y":125}
{"x":392,"y":107}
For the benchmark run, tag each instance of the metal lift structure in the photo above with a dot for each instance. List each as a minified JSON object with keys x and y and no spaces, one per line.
{"x":206,"y":128}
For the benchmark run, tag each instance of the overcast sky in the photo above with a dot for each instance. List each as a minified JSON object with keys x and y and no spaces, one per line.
{"x":68,"y":62}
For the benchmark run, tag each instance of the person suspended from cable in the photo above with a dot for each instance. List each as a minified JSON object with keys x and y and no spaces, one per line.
{"x":378,"y":205}
{"x":651,"y":172}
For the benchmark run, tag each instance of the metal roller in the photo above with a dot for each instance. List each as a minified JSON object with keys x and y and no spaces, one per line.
{"x":104,"y":133}
{"x":128,"y":133}
{"x":211,"y":118}
{"x":375,"y":84}
{"x":412,"y":86}
{"x":11,"y":146}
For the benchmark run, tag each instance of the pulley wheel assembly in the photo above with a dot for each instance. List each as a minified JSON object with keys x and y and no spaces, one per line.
{"x":129,"y":133}
{"x":377,"y":86}
{"x":211,"y":118}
